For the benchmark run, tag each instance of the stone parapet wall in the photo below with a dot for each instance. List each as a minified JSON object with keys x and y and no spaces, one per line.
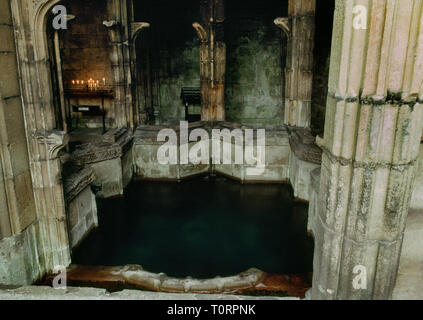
{"x":147,"y":166}
{"x":82,"y":216}
{"x":81,"y":207}
{"x":305,"y":157}
{"x":110,"y":159}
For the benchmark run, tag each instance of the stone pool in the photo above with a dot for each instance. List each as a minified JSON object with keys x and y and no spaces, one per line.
{"x":203,"y":227}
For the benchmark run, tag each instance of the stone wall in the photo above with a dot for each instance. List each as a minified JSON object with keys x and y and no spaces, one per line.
{"x":147,"y":166}
{"x":82,"y":216}
{"x":85,"y":50}
{"x":111,"y":161}
{"x":17,"y":208}
{"x":19,"y":259}
{"x":168,"y":58}
{"x":255,"y":67}
{"x":417,"y":198}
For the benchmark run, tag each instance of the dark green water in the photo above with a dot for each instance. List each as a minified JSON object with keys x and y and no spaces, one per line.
{"x":205,"y":227}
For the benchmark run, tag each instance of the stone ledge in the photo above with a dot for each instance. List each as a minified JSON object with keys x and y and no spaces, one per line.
{"x":252,"y":282}
{"x":304,"y":147}
{"x":77,"y":182}
{"x":147,"y":167}
{"x":73,"y":293}
{"x":114,"y":144}
{"x":160,"y":282}
{"x":275,"y":136}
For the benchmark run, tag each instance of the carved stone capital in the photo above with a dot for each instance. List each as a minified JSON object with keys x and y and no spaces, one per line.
{"x":53,"y":141}
{"x":202,"y":33}
{"x":70,"y":17}
{"x":136,"y":28}
{"x":283,"y":23}
{"x":111,"y":24}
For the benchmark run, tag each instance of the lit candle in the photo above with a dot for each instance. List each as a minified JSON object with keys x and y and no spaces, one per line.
{"x":73,"y":81}
{"x":104,"y":81}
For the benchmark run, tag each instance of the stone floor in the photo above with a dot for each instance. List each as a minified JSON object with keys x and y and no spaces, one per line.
{"x":48,"y":293}
{"x":410,"y":278}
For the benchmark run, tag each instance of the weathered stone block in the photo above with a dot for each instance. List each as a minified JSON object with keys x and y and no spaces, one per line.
{"x":417,"y":197}
{"x":9,"y":81}
{"x":5,"y":14}
{"x":300,"y":176}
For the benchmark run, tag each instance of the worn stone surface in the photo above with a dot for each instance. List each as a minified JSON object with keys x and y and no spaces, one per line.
{"x":21,"y":260}
{"x":313,"y":198}
{"x":253,"y":282}
{"x":210,"y":29}
{"x":276,"y":156}
{"x":167,"y":58}
{"x":300,"y":176}
{"x":417,"y":197}
{"x":35,"y":240}
{"x":110,"y":159}
{"x":305,"y":157}
{"x":82,"y":216}
{"x":255,"y":66}
{"x":409,"y":284}
{"x":17,"y":208}
{"x":48,"y":293}
{"x":371,"y":143}
{"x":77,"y":182}
{"x":299,"y":66}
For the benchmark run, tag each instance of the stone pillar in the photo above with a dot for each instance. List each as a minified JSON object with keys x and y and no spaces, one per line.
{"x":373,"y":127}
{"x":212,"y":60}
{"x":119,"y":29}
{"x":44,"y":242}
{"x":50,"y":201}
{"x":299,"y":64}
{"x":136,"y":28}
